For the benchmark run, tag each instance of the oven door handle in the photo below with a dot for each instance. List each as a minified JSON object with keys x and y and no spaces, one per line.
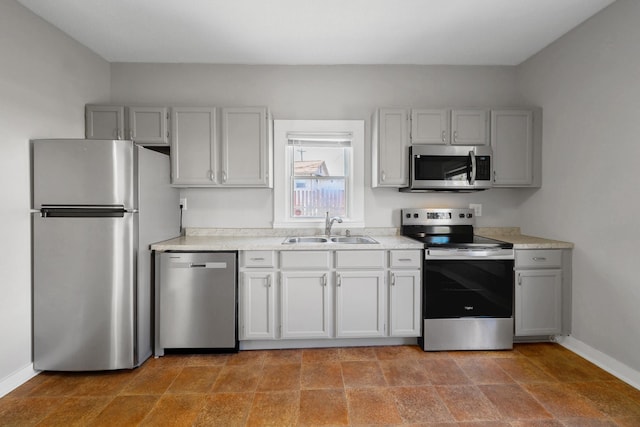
{"x":470,"y":253}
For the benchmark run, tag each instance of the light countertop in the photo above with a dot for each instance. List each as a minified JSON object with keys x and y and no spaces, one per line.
{"x":271,"y":243}
{"x":263,"y":239}
{"x":521,"y":241}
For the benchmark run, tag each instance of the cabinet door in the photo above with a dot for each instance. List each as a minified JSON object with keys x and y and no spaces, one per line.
{"x":469,"y":127}
{"x":257,"y":311}
{"x":538,"y":297}
{"x":194,"y":146}
{"x":360,"y":304}
{"x":405,"y":301}
{"x":430,"y":127}
{"x":104,"y":122}
{"x":305,"y":304}
{"x":390,"y":148}
{"x":148,"y":125}
{"x":246,"y":150}
{"x":512,"y":143}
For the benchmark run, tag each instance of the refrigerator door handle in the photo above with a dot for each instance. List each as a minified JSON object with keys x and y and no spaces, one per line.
{"x":82,"y":212}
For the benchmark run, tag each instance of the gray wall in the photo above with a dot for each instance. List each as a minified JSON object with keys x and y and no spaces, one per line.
{"x":322,"y":92}
{"x":45,"y":80}
{"x":588,"y":84}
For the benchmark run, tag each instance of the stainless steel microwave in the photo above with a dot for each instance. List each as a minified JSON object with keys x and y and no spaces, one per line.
{"x":449,"y":168}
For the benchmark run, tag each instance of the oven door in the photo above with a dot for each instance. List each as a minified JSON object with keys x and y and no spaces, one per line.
{"x":457,"y":288}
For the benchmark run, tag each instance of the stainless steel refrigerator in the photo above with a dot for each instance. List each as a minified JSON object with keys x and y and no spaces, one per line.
{"x":97,"y":205}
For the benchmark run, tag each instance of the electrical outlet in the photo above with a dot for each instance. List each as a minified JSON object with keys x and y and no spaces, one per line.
{"x":477,"y":208}
{"x":183,"y":203}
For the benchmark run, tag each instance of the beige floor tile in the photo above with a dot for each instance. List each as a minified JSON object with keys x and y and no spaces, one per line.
{"x":225,"y":409}
{"x":323,"y":408}
{"x":372,"y":406}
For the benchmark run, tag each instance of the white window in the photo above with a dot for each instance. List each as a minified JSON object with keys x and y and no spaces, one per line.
{"x":319,"y":168}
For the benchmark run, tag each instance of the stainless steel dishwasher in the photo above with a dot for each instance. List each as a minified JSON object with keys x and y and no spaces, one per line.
{"x":196,"y":301}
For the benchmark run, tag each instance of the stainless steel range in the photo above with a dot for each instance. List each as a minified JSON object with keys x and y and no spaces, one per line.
{"x":467,"y":282}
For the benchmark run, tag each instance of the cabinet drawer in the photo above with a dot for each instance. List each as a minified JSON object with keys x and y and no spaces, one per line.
{"x":405,"y":259}
{"x":258,"y":259}
{"x":359,"y":259}
{"x":305,"y":260}
{"x":538,"y":258}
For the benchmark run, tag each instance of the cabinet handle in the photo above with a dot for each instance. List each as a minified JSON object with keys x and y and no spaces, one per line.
{"x":324,"y":279}
{"x":393,"y":279}
{"x":268,"y":281}
{"x":210,"y":175}
{"x":338,"y":280}
{"x":224,"y":176}
{"x":444,"y":136}
{"x":256,"y":259}
{"x":539,"y":258}
{"x":455,"y":135}
{"x":404,"y":259}
{"x":383,"y":176}
{"x":519,"y":280}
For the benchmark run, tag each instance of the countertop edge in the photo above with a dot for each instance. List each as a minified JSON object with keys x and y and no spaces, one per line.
{"x":245,"y":243}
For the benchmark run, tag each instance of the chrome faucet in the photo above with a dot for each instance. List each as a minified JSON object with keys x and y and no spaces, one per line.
{"x":328,"y":223}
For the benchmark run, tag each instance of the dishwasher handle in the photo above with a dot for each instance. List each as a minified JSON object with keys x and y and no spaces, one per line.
{"x":208,"y":265}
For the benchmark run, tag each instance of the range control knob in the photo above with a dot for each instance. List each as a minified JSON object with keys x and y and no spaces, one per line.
{"x":408,"y":215}
{"x":415,"y":215}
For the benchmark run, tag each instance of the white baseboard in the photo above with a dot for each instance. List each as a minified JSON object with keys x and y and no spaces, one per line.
{"x":608,"y":363}
{"x":16,"y":379}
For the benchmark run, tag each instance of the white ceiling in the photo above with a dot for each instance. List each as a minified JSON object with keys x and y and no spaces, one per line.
{"x":482,"y":32}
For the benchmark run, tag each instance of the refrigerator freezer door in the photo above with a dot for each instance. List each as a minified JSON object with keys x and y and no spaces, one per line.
{"x":83,"y":172}
{"x":84,"y":292}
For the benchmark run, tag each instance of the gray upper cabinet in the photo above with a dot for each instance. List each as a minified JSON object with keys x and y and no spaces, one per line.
{"x":470,"y":127}
{"x":193,"y":155}
{"x":444,"y":126}
{"x":104,"y":122}
{"x":390,"y":149}
{"x":225,"y":147}
{"x":143,"y":125}
{"x":148,"y":125}
{"x":245,"y":147}
{"x":513,"y":140}
{"x":430,"y":126}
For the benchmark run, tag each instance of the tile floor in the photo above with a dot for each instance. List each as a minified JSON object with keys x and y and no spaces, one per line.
{"x":533,"y":385}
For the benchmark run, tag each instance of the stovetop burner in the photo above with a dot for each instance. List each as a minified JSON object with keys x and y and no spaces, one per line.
{"x":445,"y":228}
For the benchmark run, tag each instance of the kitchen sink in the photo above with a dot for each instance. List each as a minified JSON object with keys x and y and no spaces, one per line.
{"x":305,"y":239}
{"x":353,"y":239}
{"x":335,"y":239}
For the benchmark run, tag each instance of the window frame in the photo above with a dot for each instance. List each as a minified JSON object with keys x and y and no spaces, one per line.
{"x":283,"y":171}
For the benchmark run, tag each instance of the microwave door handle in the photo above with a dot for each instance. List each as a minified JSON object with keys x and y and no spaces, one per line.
{"x":472,"y":173}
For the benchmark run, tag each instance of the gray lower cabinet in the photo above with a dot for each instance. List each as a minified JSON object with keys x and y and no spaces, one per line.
{"x":321,"y":294}
{"x":257,"y":295}
{"x":540,"y":289}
